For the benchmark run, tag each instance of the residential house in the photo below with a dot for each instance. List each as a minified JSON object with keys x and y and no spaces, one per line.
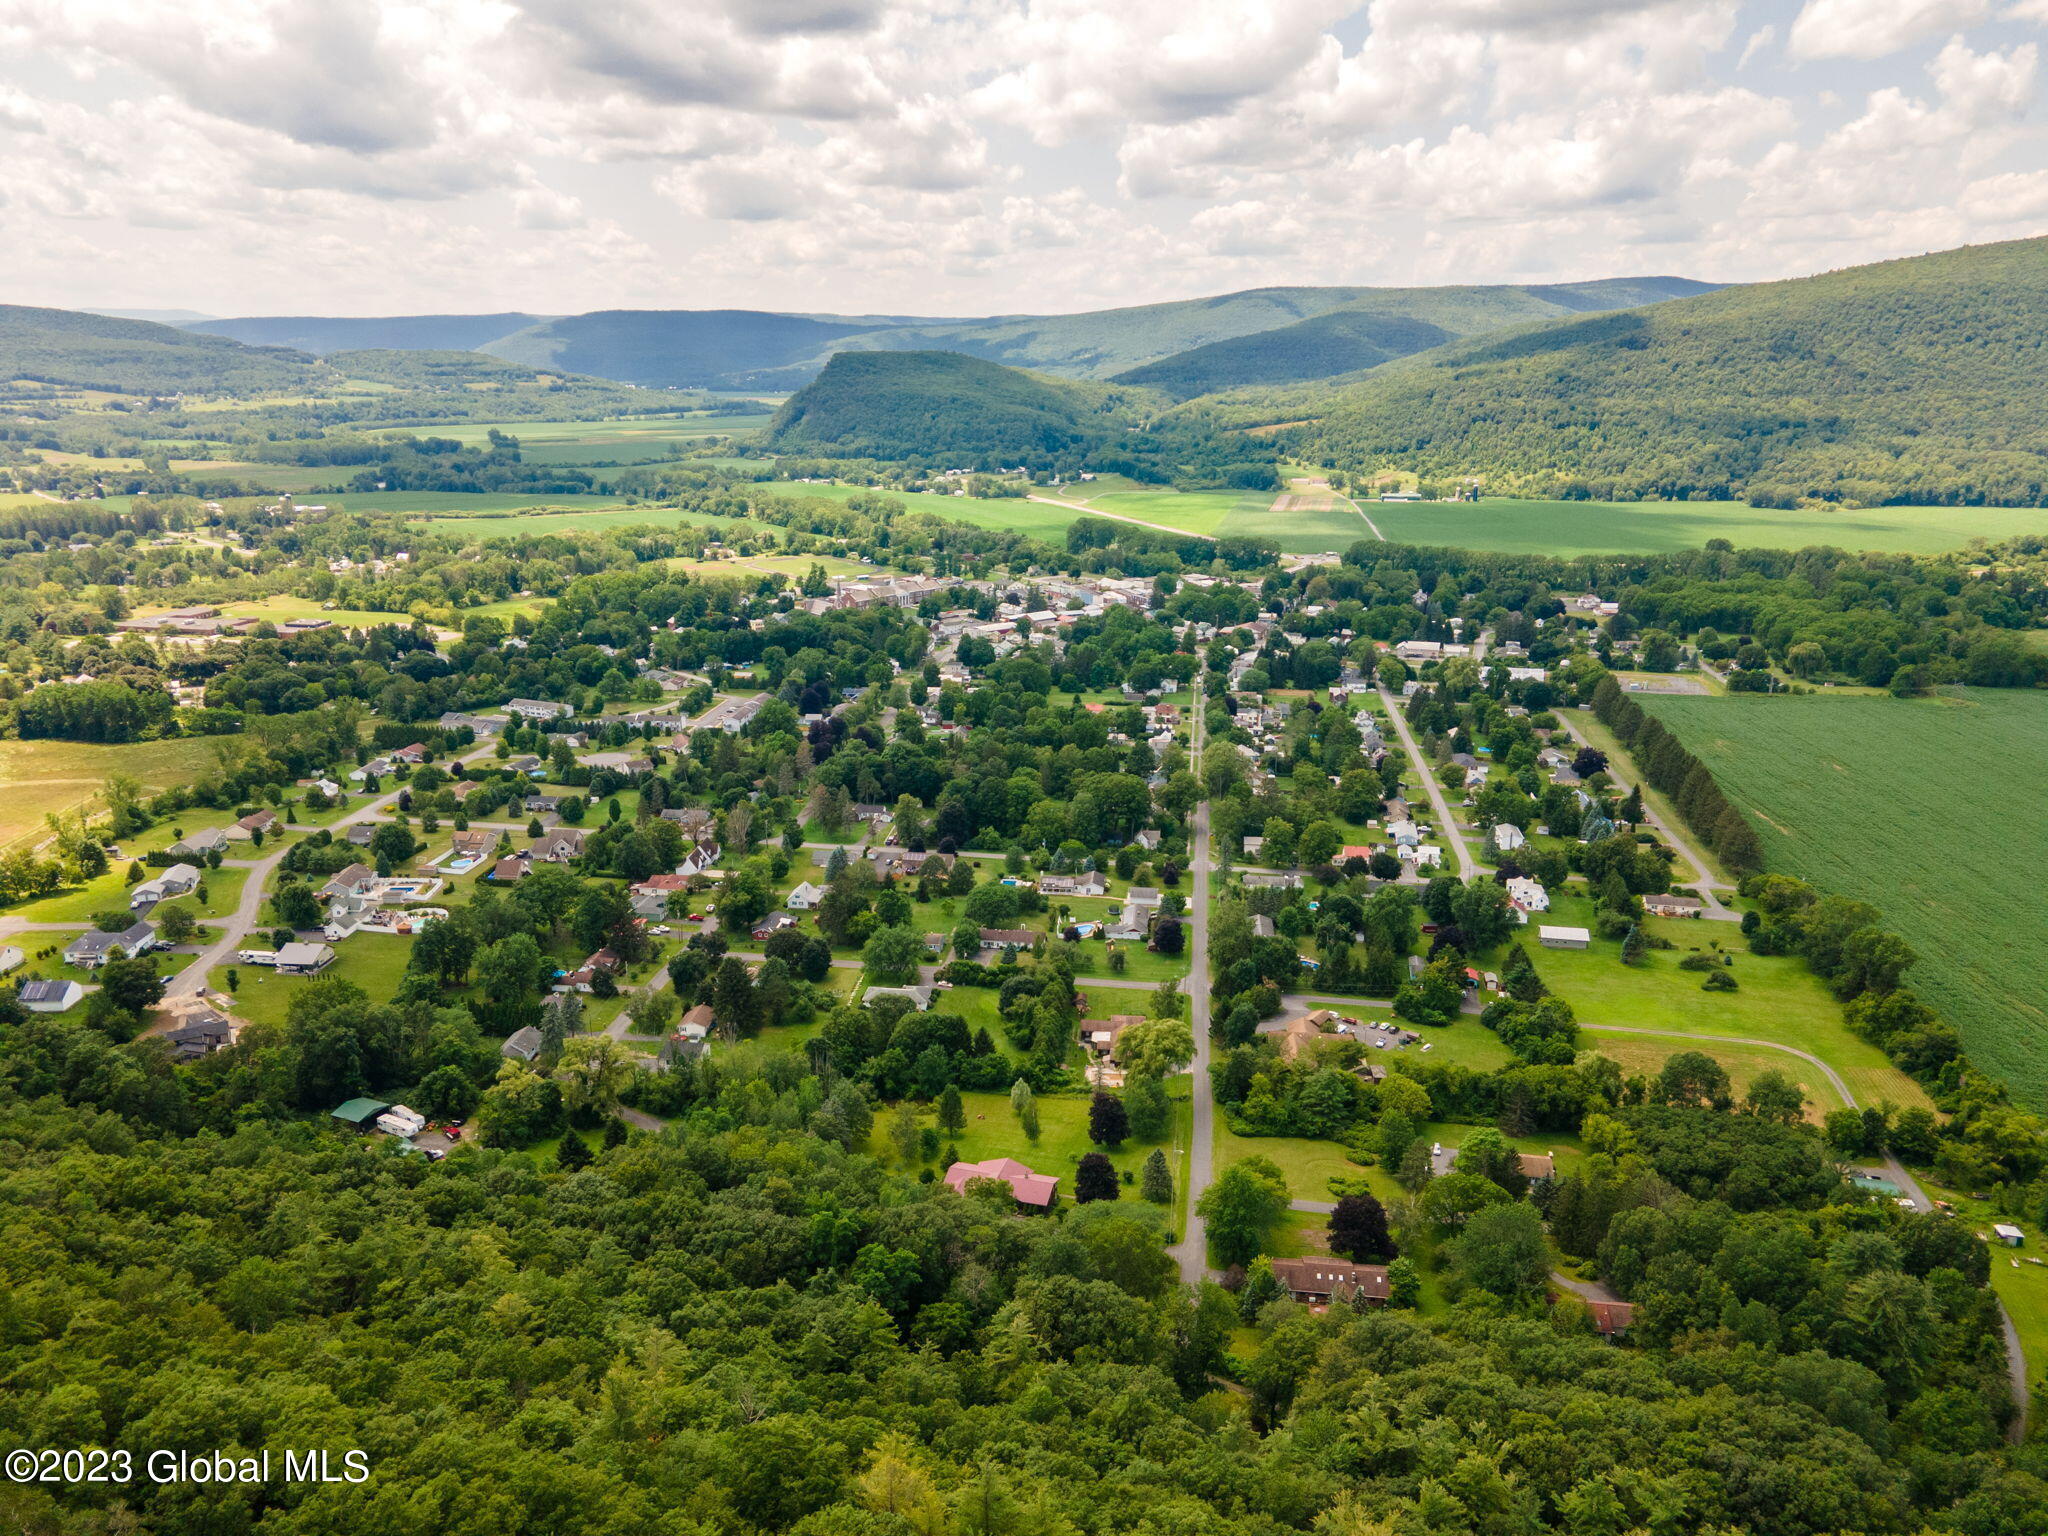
{"x":199,"y":844}
{"x":480,"y":726}
{"x":804,"y":897}
{"x":920,"y":996}
{"x":1006,"y":938}
{"x":360,"y":834}
{"x":559,"y":846}
{"x":536,"y":805}
{"x":698,"y":860}
{"x":50,"y":996}
{"x":92,"y":950}
{"x":1506,"y":837}
{"x":1319,"y":1280}
{"x":1528,"y":896}
{"x":1283,"y":882}
{"x":353,"y":881}
{"x":523,"y":1044}
{"x":773,"y":924}
{"x":584,"y":977}
{"x":412,"y":756}
{"x":202,"y":1033}
{"x":1036,"y":1190}
{"x":11,"y":958}
{"x":527,"y":764}
{"x":1611,"y":1317}
{"x":1673,"y":906}
{"x":1101,"y":1035}
{"x":1147,"y":839}
{"x":258,"y":821}
{"x":539,"y":709}
{"x":178,"y":880}
{"x":1089,"y":884}
{"x":694,"y":820}
{"x":511,"y":869}
{"x":1262,"y":927}
{"x":304,"y":959}
{"x":473,"y":843}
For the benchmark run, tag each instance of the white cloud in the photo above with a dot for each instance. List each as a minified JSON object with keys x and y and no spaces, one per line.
{"x":976,"y":156}
{"x":1871,"y":29}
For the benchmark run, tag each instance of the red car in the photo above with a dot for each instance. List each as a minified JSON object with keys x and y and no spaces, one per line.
{"x":453,"y":1133}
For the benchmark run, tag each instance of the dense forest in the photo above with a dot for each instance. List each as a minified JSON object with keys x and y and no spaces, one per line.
{"x":947,"y":410}
{"x":1912,"y":381}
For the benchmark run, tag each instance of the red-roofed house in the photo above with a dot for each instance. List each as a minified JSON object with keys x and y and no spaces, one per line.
{"x":1320,"y":1279}
{"x":1037,"y":1190}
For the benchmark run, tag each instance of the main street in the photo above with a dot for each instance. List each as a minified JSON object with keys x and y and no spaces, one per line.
{"x":1193,"y":1248}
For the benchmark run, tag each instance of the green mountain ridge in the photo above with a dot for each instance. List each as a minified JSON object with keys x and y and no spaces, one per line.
{"x":1388,"y":324}
{"x":321,"y":335}
{"x":1915,"y":381}
{"x":88,"y":351}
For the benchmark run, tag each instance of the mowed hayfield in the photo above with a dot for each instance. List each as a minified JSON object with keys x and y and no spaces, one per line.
{"x":39,"y":777}
{"x":605,"y":514}
{"x":1928,"y":808}
{"x":632,"y":440}
{"x":459,"y":503}
{"x":1569,"y":528}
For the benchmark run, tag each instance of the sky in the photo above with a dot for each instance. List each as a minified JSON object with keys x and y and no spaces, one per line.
{"x":965,"y":157}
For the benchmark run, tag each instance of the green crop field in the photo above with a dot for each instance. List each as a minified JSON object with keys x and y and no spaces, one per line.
{"x":487,"y":523}
{"x":632,"y":440}
{"x":459,"y":502}
{"x":1929,"y":809}
{"x":1568,"y":528}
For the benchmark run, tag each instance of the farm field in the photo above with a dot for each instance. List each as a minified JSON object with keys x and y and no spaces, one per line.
{"x":1851,"y":794}
{"x":1011,"y":514}
{"x":46,"y":776}
{"x":629,"y":440}
{"x":1569,"y":528}
{"x":605,"y":512}
{"x":457,"y":502}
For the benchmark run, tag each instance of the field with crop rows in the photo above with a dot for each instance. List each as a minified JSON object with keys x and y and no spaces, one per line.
{"x":1928,"y":808}
{"x":1569,"y":528}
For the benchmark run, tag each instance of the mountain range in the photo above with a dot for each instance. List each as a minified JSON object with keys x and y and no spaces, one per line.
{"x":1265,"y":335}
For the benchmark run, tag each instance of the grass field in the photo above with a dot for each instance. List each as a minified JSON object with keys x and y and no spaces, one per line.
{"x":1778,"y":999}
{"x":460,"y":501}
{"x":1928,"y":808}
{"x":373,"y":961}
{"x":1567,"y":528}
{"x":632,"y":440}
{"x":1236,"y":514}
{"x":1011,"y":514}
{"x":45,"y":776}
{"x":607,"y":513}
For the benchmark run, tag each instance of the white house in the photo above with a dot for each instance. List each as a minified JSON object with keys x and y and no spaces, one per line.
{"x":1528,"y":895}
{"x":1506,"y":837}
{"x":804,"y":897}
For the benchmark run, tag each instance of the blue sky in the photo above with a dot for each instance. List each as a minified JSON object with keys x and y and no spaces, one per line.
{"x":987,"y":156}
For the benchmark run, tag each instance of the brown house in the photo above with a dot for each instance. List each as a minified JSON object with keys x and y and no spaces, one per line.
{"x":1319,"y":1279}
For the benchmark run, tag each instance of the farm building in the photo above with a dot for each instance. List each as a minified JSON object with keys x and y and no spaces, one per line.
{"x":1564,"y":938}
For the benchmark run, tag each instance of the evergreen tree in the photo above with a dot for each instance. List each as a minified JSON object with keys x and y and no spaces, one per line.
{"x":952,"y":1114}
{"x":615,"y":1133}
{"x":572,"y":1152}
{"x":1156,"y":1183}
{"x":1261,"y":1289}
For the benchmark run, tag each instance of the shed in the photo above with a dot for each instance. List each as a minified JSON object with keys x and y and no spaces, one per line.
{"x":1564,"y":938}
{"x":361,"y":1113}
{"x":2009,"y":1235}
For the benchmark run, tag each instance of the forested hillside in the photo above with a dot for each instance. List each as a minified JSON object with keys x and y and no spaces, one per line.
{"x":1386,"y":324}
{"x":411,"y":333}
{"x":62,"y":346}
{"x":1915,"y":381}
{"x":946,"y":406}
{"x":951,"y":411}
{"x":675,"y":347}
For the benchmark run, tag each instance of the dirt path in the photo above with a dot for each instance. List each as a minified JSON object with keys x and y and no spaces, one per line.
{"x":1114,"y":517}
{"x":1707,"y":885}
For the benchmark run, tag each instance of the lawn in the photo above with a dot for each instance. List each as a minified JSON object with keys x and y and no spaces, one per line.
{"x":43,"y":777}
{"x":1777,"y":999}
{"x":2016,"y":1275}
{"x":1569,"y":528}
{"x":375,"y":962}
{"x":110,"y":892}
{"x":1840,"y":791}
{"x":1645,"y":1055}
{"x":278,"y":609}
{"x":992,"y":1131}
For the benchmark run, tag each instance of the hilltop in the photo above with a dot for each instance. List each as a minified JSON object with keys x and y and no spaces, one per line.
{"x":409,"y":333}
{"x":1386,"y":324}
{"x":86,"y":351}
{"x":1912,"y":381}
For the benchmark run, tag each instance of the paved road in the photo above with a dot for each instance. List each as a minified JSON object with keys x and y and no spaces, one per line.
{"x":236,"y":926}
{"x":1193,"y":1248}
{"x":1468,"y":868}
{"x":1313,"y":1207}
{"x":1589,"y":1290}
{"x":1706,"y":885}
